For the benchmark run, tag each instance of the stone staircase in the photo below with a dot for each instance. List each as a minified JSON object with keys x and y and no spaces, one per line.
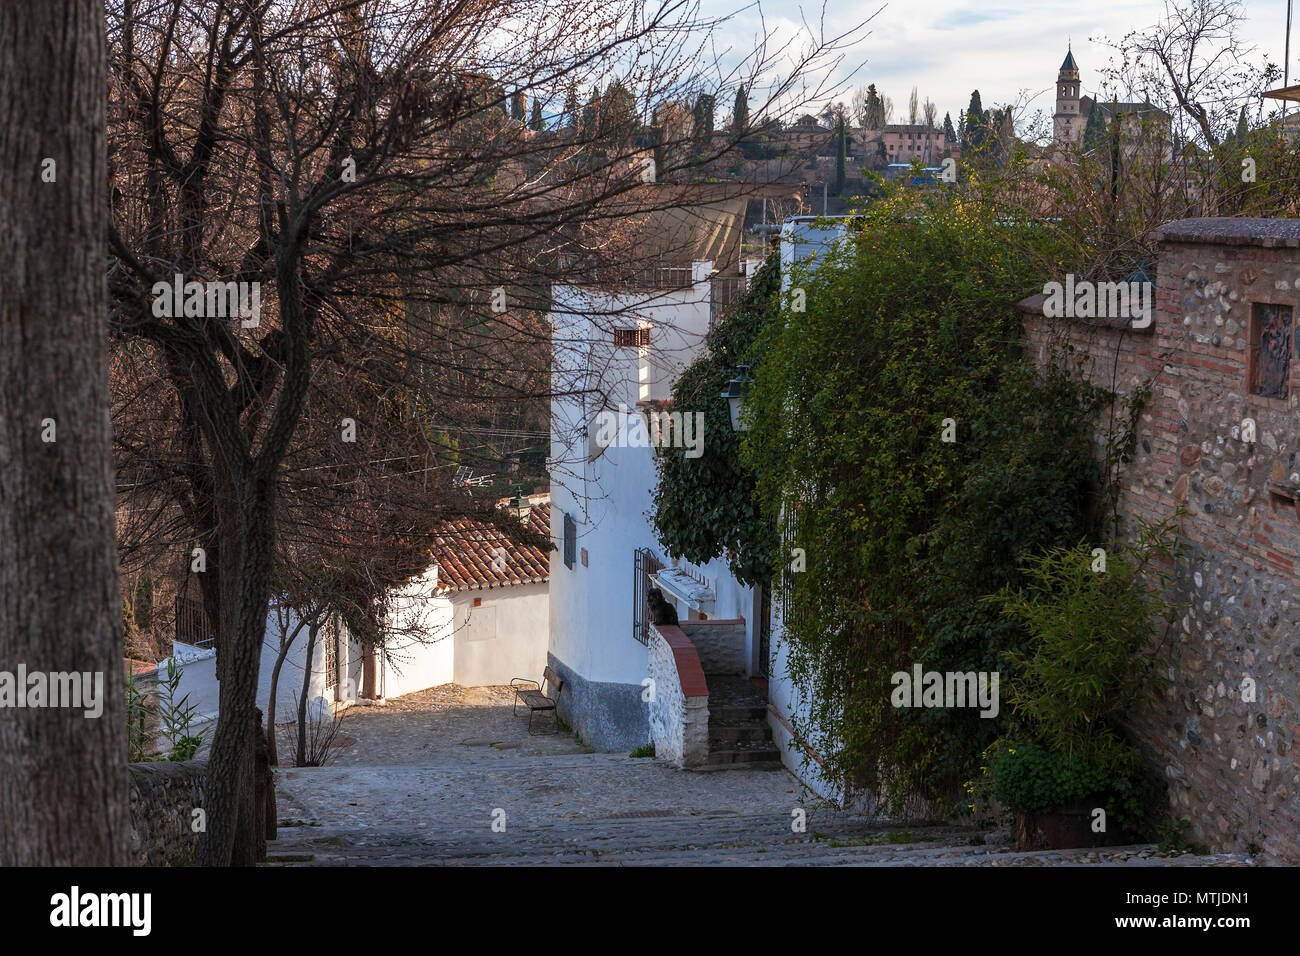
{"x":738,"y":730}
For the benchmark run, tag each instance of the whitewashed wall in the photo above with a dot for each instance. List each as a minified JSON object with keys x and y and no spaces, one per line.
{"x":609,"y":492}
{"x":431,"y":645}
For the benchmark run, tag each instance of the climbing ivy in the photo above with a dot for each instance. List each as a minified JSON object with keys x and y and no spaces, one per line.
{"x":910,"y":333}
{"x":705,"y":507}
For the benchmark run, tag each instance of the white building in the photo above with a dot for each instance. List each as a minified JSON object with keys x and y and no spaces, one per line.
{"x":478,"y":616}
{"x":613,"y":353}
{"x":626,"y":349}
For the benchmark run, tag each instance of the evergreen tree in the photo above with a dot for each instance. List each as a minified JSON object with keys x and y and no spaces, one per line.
{"x":571,"y":107}
{"x":874,"y":109}
{"x":618,"y":109}
{"x":976,"y":134}
{"x":949,"y":134}
{"x":1094,"y":132}
{"x":703,"y":114}
{"x":536,"y":123}
{"x":961,"y":130}
{"x":841,"y":151}
{"x":1242,"y":128}
{"x":591,"y":112}
{"x":519,"y":106}
{"x":740,"y":112}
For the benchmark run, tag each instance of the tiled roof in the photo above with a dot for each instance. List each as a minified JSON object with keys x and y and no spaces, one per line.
{"x":466,"y":552}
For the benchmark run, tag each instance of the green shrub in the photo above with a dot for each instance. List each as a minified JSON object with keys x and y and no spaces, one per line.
{"x":1090,"y":659}
{"x":1030,"y":778}
{"x":645,"y":750}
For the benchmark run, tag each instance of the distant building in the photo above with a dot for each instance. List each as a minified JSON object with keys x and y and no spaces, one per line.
{"x":1140,"y":121}
{"x":808,"y":135}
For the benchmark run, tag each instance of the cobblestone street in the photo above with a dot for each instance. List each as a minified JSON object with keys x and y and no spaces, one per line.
{"x":422,"y":779}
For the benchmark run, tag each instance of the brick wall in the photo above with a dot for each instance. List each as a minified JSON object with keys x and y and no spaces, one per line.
{"x":1226,"y":732}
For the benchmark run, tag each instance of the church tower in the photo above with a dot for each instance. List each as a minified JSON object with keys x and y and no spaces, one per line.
{"x":1068,"y":122}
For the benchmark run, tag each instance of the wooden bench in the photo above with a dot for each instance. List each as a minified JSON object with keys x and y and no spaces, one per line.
{"x":533,"y":698}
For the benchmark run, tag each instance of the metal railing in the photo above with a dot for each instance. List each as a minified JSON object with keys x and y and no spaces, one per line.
{"x":192,"y":624}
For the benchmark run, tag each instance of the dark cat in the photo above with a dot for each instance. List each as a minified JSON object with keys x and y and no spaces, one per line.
{"x":661,"y":611}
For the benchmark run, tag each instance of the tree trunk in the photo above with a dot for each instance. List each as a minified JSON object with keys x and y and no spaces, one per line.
{"x":301,"y":756}
{"x":63,"y":788}
{"x":271,"y":755}
{"x":231,"y":838}
{"x":286,"y":642}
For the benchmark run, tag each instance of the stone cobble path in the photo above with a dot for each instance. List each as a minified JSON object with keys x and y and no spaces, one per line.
{"x":421,"y":781}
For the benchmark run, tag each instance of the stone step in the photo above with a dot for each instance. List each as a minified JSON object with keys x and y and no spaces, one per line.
{"x":758,"y":753}
{"x":722,"y":736}
{"x":733,"y":714}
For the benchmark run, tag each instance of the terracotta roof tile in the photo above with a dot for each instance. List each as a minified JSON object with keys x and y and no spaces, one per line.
{"x":472,"y":555}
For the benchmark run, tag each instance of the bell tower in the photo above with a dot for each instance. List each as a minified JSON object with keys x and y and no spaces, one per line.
{"x":1067,"y":123}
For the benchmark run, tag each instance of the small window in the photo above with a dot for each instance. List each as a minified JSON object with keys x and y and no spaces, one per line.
{"x":1270,"y":350}
{"x":331,"y":653}
{"x":570,"y":540}
{"x":644,"y":566}
{"x":632,"y":338}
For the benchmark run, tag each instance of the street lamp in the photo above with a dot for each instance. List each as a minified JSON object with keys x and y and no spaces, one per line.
{"x":522,"y":507}
{"x":735,"y":396}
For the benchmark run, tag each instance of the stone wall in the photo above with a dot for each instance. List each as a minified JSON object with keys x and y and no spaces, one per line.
{"x":722,"y":645}
{"x":679,"y":712}
{"x":605,"y":715}
{"x":164,"y":796}
{"x":1226,"y":732}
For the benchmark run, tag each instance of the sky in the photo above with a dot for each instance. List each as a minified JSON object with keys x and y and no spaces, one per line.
{"x":1010,"y":51}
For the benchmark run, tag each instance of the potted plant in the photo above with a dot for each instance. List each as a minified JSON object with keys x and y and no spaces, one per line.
{"x":1068,"y":771}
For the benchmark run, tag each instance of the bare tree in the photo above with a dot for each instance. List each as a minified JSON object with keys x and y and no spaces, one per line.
{"x":63,"y":789}
{"x":354,"y":162}
{"x":913,"y":111}
{"x":1193,"y":62}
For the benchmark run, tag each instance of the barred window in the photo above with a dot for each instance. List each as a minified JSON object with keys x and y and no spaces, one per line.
{"x":644,"y":566}
{"x":632,"y":338}
{"x":331,"y":653}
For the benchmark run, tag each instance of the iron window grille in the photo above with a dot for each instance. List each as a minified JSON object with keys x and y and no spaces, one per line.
{"x":331,"y":654}
{"x":644,"y":566}
{"x":632,"y":338}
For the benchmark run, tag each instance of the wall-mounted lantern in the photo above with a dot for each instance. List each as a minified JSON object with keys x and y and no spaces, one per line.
{"x":737,"y":388}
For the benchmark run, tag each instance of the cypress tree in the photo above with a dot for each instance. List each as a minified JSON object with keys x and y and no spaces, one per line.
{"x":740,"y":112}
{"x":976,"y":134}
{"x":571,"y":107}
{"x":841,"y":153}
{"x":1094,"y":132}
